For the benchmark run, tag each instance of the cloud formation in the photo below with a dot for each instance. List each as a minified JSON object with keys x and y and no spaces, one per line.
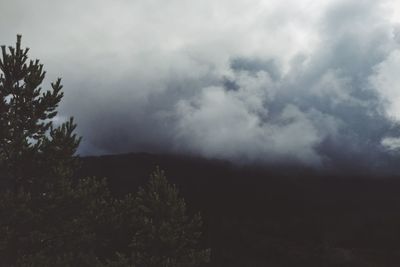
{"x":271,"y":81}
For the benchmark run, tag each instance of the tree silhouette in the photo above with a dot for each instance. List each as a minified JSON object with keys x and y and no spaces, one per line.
{"x":50,"y":219}
{"x":31,"y":148}
{"x":46,"y":220}
{"x":166,"y":235}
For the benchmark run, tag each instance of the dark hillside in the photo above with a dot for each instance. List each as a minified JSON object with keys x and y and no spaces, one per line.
{"x":276,"y":216}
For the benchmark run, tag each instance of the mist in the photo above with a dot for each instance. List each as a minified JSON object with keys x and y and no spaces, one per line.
{"x":300,"y":82}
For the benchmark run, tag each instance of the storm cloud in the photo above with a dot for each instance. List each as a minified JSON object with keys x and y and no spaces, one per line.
{"x":267,"y":81}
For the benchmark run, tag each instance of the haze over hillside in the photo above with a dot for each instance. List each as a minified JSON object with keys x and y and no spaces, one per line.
{"x":276,"y":123}
{"x":303,"y":82}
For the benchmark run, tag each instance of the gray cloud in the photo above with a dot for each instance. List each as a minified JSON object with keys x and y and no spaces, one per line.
{"x":283,"y":81}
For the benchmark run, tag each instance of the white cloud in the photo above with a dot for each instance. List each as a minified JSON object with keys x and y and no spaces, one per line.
{"x":149,"y":74}
{"x":391,"y":143}
{"x":236,"y":125}
{"x":386,"y":80}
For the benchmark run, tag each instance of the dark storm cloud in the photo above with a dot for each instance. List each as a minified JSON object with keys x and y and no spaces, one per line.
{"x":299,"y":81}
{"x":336,"y":116}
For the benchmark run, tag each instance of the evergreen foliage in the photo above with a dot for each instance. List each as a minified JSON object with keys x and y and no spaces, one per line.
{"x":31,"y":148}
{"x":49,"y":219}
{"x":166,"y":235}
{"x":59,"y":228}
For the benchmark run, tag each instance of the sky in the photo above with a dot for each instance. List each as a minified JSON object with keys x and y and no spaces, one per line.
{"x":314,"y":83}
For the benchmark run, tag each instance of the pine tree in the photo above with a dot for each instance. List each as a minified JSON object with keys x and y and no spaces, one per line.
{"x":61,"y":228}
{"x":166,"y":236}
{"x":44,"y":218}
{"x":31,"y":148}
{"x":48,"y":219}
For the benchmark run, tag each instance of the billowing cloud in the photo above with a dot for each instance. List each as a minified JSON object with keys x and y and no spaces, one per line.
{"x":241,"y":123}
{"x":386,"y":81}
{"x":391,"y":143}
{"x":266,"y":81}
